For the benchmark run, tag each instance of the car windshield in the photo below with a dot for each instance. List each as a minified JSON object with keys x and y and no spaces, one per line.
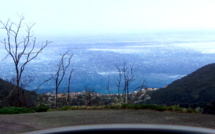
{"x":87,"y":62}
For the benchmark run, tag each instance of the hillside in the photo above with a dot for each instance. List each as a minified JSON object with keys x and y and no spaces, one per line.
{"x":195,"y":89}
{"x":8,"y":98}
{"x":4,"y":86}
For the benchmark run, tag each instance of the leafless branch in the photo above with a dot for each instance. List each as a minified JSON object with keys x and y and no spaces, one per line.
{"x":62,"y":67}
{"x":69,"y":83}
{"x":18,"y":49}
{"x":142,"y":86}
{"x":42,"y":84}
{"x":119,"y":79}
{"x":108,"y":84}
{"x":126,"y":75}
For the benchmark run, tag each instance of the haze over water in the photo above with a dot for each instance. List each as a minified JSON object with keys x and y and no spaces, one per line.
{"x":158,"y":58}
{"x":165,"y":40}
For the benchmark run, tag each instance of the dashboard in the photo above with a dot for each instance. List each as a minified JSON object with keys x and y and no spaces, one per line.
{"x":126,"y":128}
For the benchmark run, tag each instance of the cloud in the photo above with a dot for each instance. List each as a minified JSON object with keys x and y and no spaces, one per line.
{"x":177,"y":76}
{"x":124,"y":50}
{"x":202,"y":47}
{"x":166,"y":76}
{"x":129,"y":49}
{"x":107,"y":73}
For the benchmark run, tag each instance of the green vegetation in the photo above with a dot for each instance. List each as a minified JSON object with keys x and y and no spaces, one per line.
{"x":21,"y":110}
{"x":15,"y":110}
{"x":173,"y":108}
{"x":43,"y":108}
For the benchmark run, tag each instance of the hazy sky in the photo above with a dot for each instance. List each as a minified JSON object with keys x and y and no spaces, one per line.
{"x":111,"y":16}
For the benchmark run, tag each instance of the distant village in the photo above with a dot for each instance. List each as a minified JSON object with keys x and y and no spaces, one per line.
{"x":92,"y":98}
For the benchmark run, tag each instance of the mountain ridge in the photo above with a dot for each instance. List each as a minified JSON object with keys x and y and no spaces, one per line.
{"x":195,"y":89}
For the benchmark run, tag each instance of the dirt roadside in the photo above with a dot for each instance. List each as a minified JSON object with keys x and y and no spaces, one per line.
{"x":19,"y":123}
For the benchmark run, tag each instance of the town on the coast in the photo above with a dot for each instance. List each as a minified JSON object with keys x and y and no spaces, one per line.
{"x":89,"y":98}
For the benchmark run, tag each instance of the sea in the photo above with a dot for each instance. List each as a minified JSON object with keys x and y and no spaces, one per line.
{"x":158,"y":58}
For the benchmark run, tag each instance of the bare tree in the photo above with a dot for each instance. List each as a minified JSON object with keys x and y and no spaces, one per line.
{"x":119,"y":83}
{"x":89,"y":93}
{"x":119,"y":80}
{"x":21,"y":49}
{"x":128,"y":78}
{"x":42,"y":84}
{"x":68,"y":87}
{"x":142,"y":86}
{"x":62,"y":67}
{"x":108,"y":85}
{"x":135,"y":96}
{"x":127,"y":75}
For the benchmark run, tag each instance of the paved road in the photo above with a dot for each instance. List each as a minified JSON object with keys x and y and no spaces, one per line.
{"x":11,"y":124}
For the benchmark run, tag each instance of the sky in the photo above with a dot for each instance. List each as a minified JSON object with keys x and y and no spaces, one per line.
{"x":111,"y":16}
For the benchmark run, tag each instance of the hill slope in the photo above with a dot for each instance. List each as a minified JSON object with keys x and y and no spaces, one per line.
{"x":8,"y":95}
{"x":197,"y":88}
{"x":4,"y":86}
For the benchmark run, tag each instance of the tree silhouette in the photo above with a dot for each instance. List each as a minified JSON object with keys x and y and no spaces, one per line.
{"x":62,"y":67}
{"x":22,"y":49}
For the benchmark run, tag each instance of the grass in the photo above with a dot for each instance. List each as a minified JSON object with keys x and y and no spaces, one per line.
{"x":173,"y":108}
{"x":21,"y":110}
{"x":43,"y":108}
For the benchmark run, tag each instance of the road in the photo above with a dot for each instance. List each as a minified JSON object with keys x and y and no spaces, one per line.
{"x":19,"y":123}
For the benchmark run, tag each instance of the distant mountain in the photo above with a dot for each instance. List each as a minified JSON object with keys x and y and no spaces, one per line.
{"x":195,"y":89}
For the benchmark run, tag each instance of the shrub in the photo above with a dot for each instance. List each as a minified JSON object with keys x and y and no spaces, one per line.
{"x":113,"y":107}
{"x":125,"y":106}
{"x":15,"y":110}
{"x":41,"y":108}
{"x":175,"y":108}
